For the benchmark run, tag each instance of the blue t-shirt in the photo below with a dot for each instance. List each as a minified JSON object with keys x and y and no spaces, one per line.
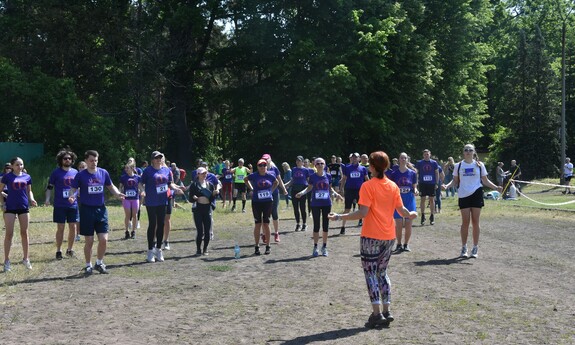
{"x":227,"y":175}
{"x":62,"y":182}
{"x":130,"y":184}
{"x":320,"y":193}
{"x":355,"y":174}
{"x":157,"y":184}
{"x":262,"y":186}
{"x":17,"y":191}
{"x":91,"y":186}
{"x":426,"y":171}
{"x":300,"y":176}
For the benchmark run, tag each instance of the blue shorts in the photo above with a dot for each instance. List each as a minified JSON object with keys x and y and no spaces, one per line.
{"x":62,"y":215}
{"x":93,"y":218}
{"x":408,"y":202}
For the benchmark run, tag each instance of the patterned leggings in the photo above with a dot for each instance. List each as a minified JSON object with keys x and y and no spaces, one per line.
{"x":375,"y":255}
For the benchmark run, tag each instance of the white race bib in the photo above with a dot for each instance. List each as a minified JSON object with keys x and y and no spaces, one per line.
{"x":427,"y":178}
{"x":240,"y":177}
{"x":95,"y":189}
{"x":323,"y":195}
{"x":355,"y":174}
{"x":228,"y":177}
{"x":404,"y":190}
{"x":333,"y":172}
{"x":264,"y":194}
{"x":131,"y":193}
{"x":65,"y":193}
{"x":161,"y":188}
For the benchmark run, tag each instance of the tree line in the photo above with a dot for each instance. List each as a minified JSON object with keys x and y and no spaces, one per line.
{"x":237,"y":78}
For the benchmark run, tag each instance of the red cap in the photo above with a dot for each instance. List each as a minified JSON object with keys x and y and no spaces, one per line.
{"x":266,"y":156}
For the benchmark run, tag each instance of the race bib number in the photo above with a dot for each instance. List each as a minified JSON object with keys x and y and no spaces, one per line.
{"x":131,"y":193}
{"x":333,"y":172}
{"x":228,"y":177}
{"x":162,"y":188}
{"x":427,"y":178}
{"x":355,"y":174}
{"x":322,"y":195}
{"x":95,"y":189}
{"x":240,"y":177}
{"x":404,"y":190}
{"x":66,"y":193}
{"x":264,"y":194}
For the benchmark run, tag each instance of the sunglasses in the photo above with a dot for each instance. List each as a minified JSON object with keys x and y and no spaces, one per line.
{"x":319,"y":163}
{"x":468,"y":150}
{"x":67,"y":158}
{"x":262,"y":165}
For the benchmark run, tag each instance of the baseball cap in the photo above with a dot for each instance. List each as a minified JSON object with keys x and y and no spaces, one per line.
{"x":299,"y":158}
{"x":157,"y":154}
{"x":203,"y":163}
{"x":262,"y":161}
{"x":355,"y":154}
{"x":266,"y":156}
{"x":201,"y":170}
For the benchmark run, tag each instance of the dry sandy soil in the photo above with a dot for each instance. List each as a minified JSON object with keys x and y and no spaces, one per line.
{"x":521,"y":289}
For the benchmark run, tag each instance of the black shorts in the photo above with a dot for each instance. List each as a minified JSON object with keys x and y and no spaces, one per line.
{"x":350,"y":196}
{"x":18,"y":211}
{"x":475,"y":200}
{"x":426,"y":189}
{"x":568,"y":178}
{"x":170,"y":206}
{"x":262,"y":211}
{"x":241,"y":187}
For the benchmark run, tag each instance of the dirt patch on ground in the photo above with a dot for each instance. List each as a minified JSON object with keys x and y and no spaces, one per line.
{"x":521,"y":289}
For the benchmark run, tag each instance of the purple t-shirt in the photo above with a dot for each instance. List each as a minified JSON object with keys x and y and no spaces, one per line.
{"x":276,"y":172}
{"x":62,"y":182}
{"x":17,"y":191}
{"x":426,"y":171}
{"x":320,"y":194}
{"x":405,"y":180}
{"x":227,"y":175}
{"x":299,"y":176}
{"x":262,"y":185}
{"x":355,"y":174}
{"x":130,"y":184}
{"x":157,"y":183}
{"x":91,"y":186}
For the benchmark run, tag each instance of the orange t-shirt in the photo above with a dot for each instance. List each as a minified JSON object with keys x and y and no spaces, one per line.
{"x":382,"y":197}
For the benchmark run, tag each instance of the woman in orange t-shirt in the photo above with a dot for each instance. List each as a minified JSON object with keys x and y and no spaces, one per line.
{"x":378,"y":198}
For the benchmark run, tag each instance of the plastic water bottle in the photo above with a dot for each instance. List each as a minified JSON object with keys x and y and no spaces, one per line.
{"x":237,"y":251}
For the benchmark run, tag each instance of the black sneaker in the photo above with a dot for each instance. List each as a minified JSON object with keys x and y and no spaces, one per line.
{"x":133,"y":234}
{"x":127,"y":235}
{"x":388,"y":317}
{"x":70,"y":253}
{"x":422,"y":219}
{"x":398,"y":248}
{"x":101,"y":268}
{"x":257,"y":252}
{"x":342,"y":231}
{"x":268,"y":250}
{"x":431,"y":219}
{"x":405,"y":249}
{"x":304,"y":227}
{"x":375,"y":321}
{"x":297,"y":227}
{"x":233,"y":208}
{"x":59,"y":255}
{"x":88,"y":270}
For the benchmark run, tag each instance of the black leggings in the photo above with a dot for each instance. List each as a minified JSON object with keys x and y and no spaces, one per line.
{"x":324,"y":210}
{"x":203,"y":221}
{"x":299,"y":203}
{"x":156,"y":218}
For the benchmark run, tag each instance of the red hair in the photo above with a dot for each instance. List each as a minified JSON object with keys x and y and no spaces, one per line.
{"x":380,"y":162}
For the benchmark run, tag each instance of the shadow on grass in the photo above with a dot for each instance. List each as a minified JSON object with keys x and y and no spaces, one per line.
{"x":79,"y":275}
{"x":303,"y":258}
{"x":443,"y":262}
{"x":326,"y":336}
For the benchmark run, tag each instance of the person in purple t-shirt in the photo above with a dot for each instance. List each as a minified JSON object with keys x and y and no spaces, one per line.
{"x":320,"y":186}
{"x":263,"y":184}
{"x":61,"y":182}
{"x":353,"y":177}
{"x":129,"y":182}
{"x":17,"y":206}
{"x":427,"y":177}
{"x":93,"y":213}
{"x":298,"y":183}
{"x":273,"y":169}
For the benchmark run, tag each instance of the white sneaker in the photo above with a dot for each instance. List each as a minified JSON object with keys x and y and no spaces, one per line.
{"x":167,"y":245}
{"x":150,"y":257}
{"x":7,"y":266}
{"x":474,"y":252}
{"x":138,"y":226}
{"x":159,"y":255}
{"x":463,"y":252}
{"x":77,"y":239}
{"x":27,"y":264}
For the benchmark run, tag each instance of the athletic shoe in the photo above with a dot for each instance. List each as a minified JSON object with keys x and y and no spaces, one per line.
{"x":431,"y":219}
{"x":257,"y":251}
{"x":7,"y":267}
{"x":211,"y":236}
{"x":388,"y":317}
{"x":304,"y":227}
{"x":127,"y":235}
{"x":206,"y":252}
{"x":88,"y":270}
{"x":233,"y":208}
{"x":268,"y":250}
{"x":375,"y":321}
{"x":59,"y":255}
{"x":244,"y":211}
{"x":360,"y":223}
{"x":70,"y":253}
{"x":101,"y":268}
{"x":138,"y":226}
{"x":422,"y":219}
{"x":150,"y":257}
{"x":463,"y":252}
{"x":474,"y":251}
{"x":27,"y":264}
{"x":297,"y":227}
{"x":342,"y":231}
{"x":399,"y":248}
{"x":159,"y":255}
{"x":324,"y":251}
{"x":133,"y":234}
{"x":406,"y":249}
{"x":167,"y":245}
{"x":77,"y":239}
{"x":315,"y":253}
{"x":277,"y":237}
